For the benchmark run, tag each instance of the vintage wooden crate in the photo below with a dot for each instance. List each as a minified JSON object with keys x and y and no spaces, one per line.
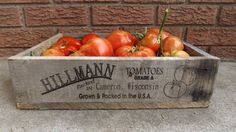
{"x":112,"y":82}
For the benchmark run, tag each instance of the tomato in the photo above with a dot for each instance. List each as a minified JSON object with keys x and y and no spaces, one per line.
{"x":95,"y":47}
{"x":67,"y":40}
{"x":66,"y":49}
{"x":134,"y":51}
{"x":53,"y":52}
{"x":150,"y":39}
{"x":77,"y":53}
{"x":166,"y":54}
{"x":67,"y":45}
{"x":120,"y":38}
{"x":156,"y":31}
{"x":88,"y":37}
{"x":172,"y":43}
{"x":179,"y":53}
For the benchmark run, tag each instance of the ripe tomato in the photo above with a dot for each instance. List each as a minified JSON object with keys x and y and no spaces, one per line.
{"x":95,"y":47}
{"x":120,"y":38}
{"x":77,"y":53}
{"x":150,"y":39}
{"x":134,"y":51}
{"x":53,"y":52}
{"x":166,"y":54}
{"x":88,"y":37}
{"x":179,"y":53}
{"x":67,"y":45}
{"x":172,"y":43}
{"x":156,"y":31}
{"x":70,"y":41}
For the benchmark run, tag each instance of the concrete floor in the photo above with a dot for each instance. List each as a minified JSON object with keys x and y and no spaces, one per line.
{"x":220,"y":116}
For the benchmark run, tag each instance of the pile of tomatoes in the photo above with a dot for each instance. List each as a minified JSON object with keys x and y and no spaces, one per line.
{"x":120,"y":43}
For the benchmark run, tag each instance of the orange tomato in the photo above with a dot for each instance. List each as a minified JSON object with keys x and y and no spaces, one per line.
{"x":156,"y":31}
{"x":52,"y":52}
{"x":150,"y":39}
{"x":134,"y":51}
{"x":172,"y":43}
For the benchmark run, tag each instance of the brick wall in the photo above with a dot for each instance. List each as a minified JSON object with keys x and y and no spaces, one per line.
{"x":208,"y":24}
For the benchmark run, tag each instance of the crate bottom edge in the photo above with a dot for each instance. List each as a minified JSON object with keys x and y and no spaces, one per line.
{"x":114,"y":106}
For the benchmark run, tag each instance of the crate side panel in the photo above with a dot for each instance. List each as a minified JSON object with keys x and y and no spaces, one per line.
{"x":18,"y":73}
{"x":72,"y":81}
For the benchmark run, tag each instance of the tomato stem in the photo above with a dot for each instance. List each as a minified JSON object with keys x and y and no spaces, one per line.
{"x":159,"y":37}
{"x":32,"y":53}
{"x":145,"y":31}
{"x":141,"y":35}
{"x":134,"y":49}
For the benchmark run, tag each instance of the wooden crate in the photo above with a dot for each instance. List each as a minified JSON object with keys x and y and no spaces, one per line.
{"x":112,"y":82}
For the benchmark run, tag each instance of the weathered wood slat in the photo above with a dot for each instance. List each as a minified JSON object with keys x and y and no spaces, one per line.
{"x":104,"y":106}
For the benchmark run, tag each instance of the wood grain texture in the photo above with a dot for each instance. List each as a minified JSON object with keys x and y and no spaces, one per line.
{"x":104,"y":106}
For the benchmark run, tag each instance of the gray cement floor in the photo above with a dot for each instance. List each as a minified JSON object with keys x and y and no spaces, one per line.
{"x":220,"y":116}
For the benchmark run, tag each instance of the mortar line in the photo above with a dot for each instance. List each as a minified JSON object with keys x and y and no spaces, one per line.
{"x":156,"y":15}
{"x":23,"y":17}
{"x":113,"y":3}
{"x":218,"y":14}
{"x":184,"y":33}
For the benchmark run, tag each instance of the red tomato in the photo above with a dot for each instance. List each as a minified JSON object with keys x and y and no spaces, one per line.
{"x":172,"y":43}
{"x":156,"y":31}
{"x":150,"y":39}
{"x":120,"y":38}
{"x":53,"y":52}
{"x":67,"y":45}
{"x":88,"y":37}
{"x":95,"y":47}
{"x":134,"y":51}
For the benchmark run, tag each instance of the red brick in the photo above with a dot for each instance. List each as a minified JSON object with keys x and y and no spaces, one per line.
{"x":133,"y":29}
{"x":56,"y":15}
{"x":228,"y":15}
{"x":24,"y":37}
{"x":74,"y":1}
{"x":22,"y":1}
{"x":225,"y":52}
{"x":9,"y":17}
{"x":213,"y":1}
{"x":111,"y":15}
{"x":87,"y":29}
{"x":80,"y":31}
{"x":188,"y":14}
{"x":204,"y":48}
{"x":155,"y":1}
{"x":177,"y":31}
{"x":212,"y":36}
{"x":6,"y":52}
